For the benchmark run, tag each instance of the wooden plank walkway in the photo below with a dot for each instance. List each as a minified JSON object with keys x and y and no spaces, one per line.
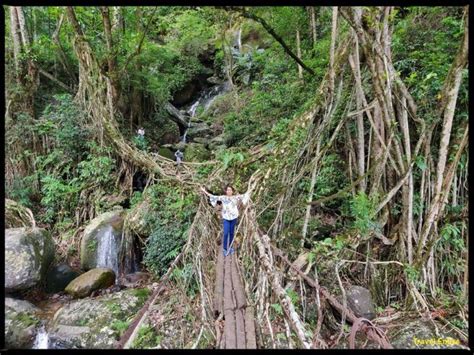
{"x":230,"y":303}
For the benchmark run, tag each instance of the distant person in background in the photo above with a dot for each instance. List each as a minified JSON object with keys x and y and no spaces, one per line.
{"x":139,"y":140}
{"x":179,"y":157}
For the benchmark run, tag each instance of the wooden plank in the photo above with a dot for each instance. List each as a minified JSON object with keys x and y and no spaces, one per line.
{"x":229,"y":330}
{"x":219,"y":286}
{"x":241,"y":301}
{"x":250,"y":328}
{"x":240,"y":329}
{"x":229,"y":303}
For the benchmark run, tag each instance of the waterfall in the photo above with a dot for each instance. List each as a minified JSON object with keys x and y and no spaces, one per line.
{"x":239,"y":39}
{"x":193,"y":108}
{"x":107,"y":251}
{"x":42,"y":339}
{"x":205,"y":100}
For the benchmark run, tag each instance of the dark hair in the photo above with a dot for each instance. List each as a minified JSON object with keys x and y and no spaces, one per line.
{"x":227,"y":186}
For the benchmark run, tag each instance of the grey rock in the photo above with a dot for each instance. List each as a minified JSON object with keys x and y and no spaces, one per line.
{"x":28,"y":254}
{"x":90,"y":323}
{"x":21,"y":324}
{"x":360,"y":302}
{"x":199,"y":130}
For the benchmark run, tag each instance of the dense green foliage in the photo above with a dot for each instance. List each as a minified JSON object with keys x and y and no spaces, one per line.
{"x":169,"y":219}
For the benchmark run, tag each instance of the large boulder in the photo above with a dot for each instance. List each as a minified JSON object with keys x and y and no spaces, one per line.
{"x":196,"y":152}
{"x":360,"y":302}
{"x":59,"y":277}
{"x":21,"y":324}
{"x":28,"y":254}
{"x":90,"y":281}
{"x":100,"y":227}
{"x":199,"y":130}
{"x":95,"y":323}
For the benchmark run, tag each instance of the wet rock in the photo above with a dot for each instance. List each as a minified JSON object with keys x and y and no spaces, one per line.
{"x":97,"y":229}
{"x":214,"y":80}
{"x":21,"y":324}
{"x":28,"y":254}
{"x":360,"y":302}
{"x":91,"y":323}
{"x":59,"y":277}
{"x":90,"y":281}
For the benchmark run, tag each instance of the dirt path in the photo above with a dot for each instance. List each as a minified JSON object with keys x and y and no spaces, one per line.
{"x":230,"y":304}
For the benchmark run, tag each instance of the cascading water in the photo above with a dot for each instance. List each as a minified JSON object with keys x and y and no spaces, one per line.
{"x":192,"y":110}
{"x":42,"y":339}
{"x":107,"y":252}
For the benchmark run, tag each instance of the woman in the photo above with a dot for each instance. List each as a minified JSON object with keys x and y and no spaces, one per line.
{"x":230,"y":214}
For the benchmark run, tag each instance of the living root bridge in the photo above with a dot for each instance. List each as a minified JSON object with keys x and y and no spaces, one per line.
{"x":373,"y":333}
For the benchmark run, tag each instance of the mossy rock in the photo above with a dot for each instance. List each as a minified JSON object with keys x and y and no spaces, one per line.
{"x":196,"y":152}
{"x":28,"y":255}
{"x":21,"y":324}
{"x":90,"y":281}
{"x":166,"y":152}
{"x":96,"y":323}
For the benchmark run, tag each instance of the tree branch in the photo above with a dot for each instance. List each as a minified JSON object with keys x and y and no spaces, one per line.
{"x":270,"y":30}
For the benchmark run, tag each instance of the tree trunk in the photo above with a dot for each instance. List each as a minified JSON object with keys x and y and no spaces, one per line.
{"x":333,"y":45}
{"x":15,"y":31}
{"x":23,"y":30}
{"x":449,"y":97}
{"x":111,"y":54}
{"x":298,"y":53}
{"x":355,"y":65}
{"x":312,"y":17}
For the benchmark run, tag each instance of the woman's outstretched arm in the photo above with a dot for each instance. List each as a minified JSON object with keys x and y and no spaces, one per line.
{"x":212,"y":198}
{"x":244,"y":197}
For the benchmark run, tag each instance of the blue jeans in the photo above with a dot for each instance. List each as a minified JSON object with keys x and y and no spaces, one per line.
{"x":228,"y":237}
